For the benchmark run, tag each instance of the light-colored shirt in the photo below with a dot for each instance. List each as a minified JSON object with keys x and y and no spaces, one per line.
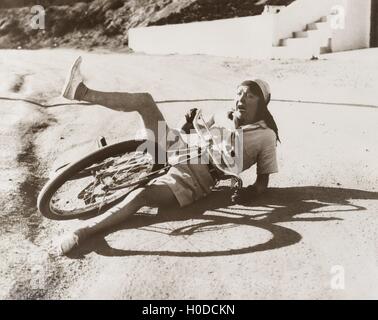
{"x":259,"y":147}
{"x":190,"y":182}
{"x":252,"y":144}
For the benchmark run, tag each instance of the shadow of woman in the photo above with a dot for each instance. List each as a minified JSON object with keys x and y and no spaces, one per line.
{"x":277,"y":205}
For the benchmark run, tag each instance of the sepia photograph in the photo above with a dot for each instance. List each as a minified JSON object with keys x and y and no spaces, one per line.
{"x":206,"y":150}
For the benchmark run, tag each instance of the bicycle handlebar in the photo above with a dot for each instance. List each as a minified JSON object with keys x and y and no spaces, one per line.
{"x":210,"y":138}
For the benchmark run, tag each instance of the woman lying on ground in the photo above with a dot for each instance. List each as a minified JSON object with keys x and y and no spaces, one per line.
{"x":185,"y":183}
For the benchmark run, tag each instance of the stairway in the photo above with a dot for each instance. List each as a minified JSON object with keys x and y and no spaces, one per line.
{"x":313,"y":41}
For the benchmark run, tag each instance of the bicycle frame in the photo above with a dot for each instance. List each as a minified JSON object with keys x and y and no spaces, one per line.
{"x":208,"y":141}
{"x":199,"y":150}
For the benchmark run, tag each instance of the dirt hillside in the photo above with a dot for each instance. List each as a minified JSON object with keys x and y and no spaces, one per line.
{"x":105,"y":23}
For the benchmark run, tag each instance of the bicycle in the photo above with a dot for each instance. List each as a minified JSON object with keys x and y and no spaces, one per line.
{"x":107,"y":175}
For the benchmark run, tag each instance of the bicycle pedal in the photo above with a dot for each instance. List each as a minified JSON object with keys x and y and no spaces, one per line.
{"x":101,"y":142}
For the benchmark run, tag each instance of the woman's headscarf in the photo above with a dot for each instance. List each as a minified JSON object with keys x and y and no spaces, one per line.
{"x":262,"y":90}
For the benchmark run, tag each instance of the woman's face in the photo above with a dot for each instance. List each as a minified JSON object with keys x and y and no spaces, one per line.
{"x":247,"y":104}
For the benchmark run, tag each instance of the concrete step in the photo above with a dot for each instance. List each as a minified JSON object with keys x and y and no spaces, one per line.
{"x":296,"y":42}
{"x":313,"y":41}
{"x":304,"y":34}
{"x":294,"y":53}
{"x":318,"y":26}
{"x":327,"y":18}
{"x":323,"y":28}
{"x":320,"y":37}
{"x":324,"y":50}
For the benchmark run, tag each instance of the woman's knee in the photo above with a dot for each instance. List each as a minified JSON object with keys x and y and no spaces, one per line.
{"x":137,"y":195}
{"x":143,"y":196}
{"x":154,"y":195}
{"x":157,"y":196}
{"x":147,"y":99}
{"x":147,"y":106}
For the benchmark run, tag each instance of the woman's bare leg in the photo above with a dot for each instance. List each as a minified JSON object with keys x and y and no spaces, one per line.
{"x":143,"y":103}
{"x":155,"y":195}
{"x":152,"y":196}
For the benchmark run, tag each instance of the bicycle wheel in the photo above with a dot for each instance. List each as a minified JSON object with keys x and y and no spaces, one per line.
{"x":98,"y":180}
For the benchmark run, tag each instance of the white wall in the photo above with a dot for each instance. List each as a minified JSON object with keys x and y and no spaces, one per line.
{"x":297,"y":15}
{"x":356,"y":34}
{"x":238,"y":37}
{"x":254,"y":37}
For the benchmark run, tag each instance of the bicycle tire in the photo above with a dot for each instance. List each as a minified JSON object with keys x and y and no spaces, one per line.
{"x":68,"y":174}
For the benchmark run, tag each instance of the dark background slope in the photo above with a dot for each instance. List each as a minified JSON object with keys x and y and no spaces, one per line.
{"x":104,"y":23}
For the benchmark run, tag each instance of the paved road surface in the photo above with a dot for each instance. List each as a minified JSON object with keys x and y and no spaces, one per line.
{"x":313,"y":232}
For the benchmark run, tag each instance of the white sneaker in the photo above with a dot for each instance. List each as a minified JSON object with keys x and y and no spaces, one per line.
{"x":73,"y":80}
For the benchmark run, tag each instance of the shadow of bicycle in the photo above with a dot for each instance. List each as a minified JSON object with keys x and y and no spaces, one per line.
{"x":216,"y":213}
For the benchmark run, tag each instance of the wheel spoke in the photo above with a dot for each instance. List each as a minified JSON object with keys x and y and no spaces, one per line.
{"x":101,"y":183}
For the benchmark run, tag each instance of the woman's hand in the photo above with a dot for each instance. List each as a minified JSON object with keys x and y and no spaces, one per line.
{"x":189,"y":117}
{"x":235,"y":116}
{"x":245,"y":195}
